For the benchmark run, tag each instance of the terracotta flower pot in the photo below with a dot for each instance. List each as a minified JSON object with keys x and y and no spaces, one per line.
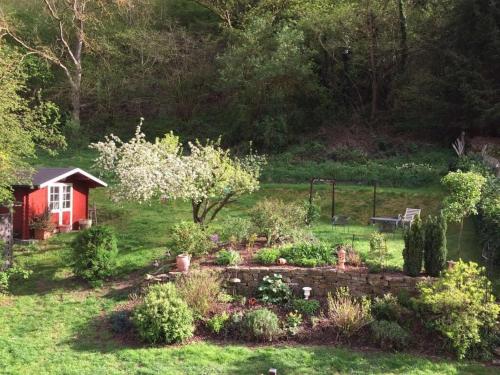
{"x":42,"y":234}
{"x":64,"y":228}
{"x":84,"y":223}
{"x":183,"y":262}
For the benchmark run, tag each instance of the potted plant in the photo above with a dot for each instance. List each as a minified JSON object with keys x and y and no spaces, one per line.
{"x":42,"y":225}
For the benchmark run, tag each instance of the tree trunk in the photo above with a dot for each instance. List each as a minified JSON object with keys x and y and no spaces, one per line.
{"x":403,"y":25}
{"x":373,"y":63}
{"x":76,"y":103}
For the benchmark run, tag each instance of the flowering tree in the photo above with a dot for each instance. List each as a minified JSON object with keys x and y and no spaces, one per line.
{"x":209,"y":177}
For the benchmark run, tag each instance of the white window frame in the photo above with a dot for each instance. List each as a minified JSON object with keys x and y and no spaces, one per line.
{"x":61,"y":209}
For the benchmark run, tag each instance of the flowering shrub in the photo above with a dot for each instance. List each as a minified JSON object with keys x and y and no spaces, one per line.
{"x":208,"y":176}
{"x":461,"y":306}
{"x":273,"y":289}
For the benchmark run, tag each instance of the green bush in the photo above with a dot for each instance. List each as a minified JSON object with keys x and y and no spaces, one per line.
{"x":413,"y":251}
{"x":308,"y":307}
{"x":120,"y":322}
{"x":261,"y":325}
{"x":268,"y":255}
{"x":276,"y":220}
{"x":435,"y":245}
{"x":379,"y":249}
{"x":237,"y":228}
{"x":389,"y":308}
{"x":390,"y":335}
{"x":94,"y":254}
{"x":163,"y":316}
{"x":217,"y":323}
{"x":293,"y":322}
{"x":308,"y":254}
{"x":461,"y":306}
{"x":228,"y":258}
{"x":273,"y":289}
{"x":189,"y":238}
{"x":312,"y":211}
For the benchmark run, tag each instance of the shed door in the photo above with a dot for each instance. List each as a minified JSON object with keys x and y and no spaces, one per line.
{"x":61,"y":202}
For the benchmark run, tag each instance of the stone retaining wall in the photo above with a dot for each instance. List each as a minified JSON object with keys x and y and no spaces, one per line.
{"x":322,"y":280}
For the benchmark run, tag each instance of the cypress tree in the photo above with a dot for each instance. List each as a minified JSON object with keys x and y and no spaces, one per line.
{"x":435,"y":250}
{"x":413,"y":252}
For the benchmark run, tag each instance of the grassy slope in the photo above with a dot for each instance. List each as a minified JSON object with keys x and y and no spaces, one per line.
{"x":52,"y":324}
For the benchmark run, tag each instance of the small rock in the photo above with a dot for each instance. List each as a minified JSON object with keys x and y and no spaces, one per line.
{"x":281,"y":261}
{"x":496,"y":351}
{"x":495,"y":362}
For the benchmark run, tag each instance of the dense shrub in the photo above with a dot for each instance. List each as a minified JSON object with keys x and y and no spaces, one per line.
{"x":435,"y":250}
{"x":228,"y":258}
{"x":489,"y":218}
{"x":200,"y":290}
{"x":237,"y":228}
{"x":261,"y":325}
{"x":389,"y":308}
{"x":389,"y":335}
{"x":273,"y":289}
{"x":460,"y":305}
{"x":276,"y":220}
{"x":413,"y":251}
{"x":217,"y":323}
{"x":94,"y":254}
{"x":347,"y":313}
{"x":189,"y":238}
{"x":268,"y":255}
{"x":308,"y":307}
{"x":308,"y":254}
{"x":163,"y":316}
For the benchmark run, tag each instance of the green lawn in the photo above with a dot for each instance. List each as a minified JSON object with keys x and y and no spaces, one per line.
{"x":53,"y":324}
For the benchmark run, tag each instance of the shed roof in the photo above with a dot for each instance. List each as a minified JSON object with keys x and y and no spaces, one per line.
{"x":45,"y":176}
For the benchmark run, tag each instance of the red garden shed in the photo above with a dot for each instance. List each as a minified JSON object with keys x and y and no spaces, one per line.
{"x":62,"y":191}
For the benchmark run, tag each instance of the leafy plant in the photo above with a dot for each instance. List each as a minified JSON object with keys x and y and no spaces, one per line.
{"x":163,"y":316}
{"x":312,"y":210}
{"x":200,"y":290}
{"x":435,"y":250}
{"x":11,"y":273}
{"x":42,"y":221}
{"x":228,"y":258}
{"x":413,"y":251}
{"x":217,"y":323}
{"x":389,"y":335}
{"x":120,"y":322}
{"x":237,"y":227}
{"x":261,"y":325}
{"x":277,"y":220}
{"x":308,"y":307}
{"x":268,"y":255}
{"x":347,"y":313}
{"x":378,"y":248}
{"x":388,"y":308}
{"x":293,"y":321}
{"x":190,"y":238}
{"x":460,"y":305}
{"x":308,"y":254}
{"x":94,"y":253}
{"x":273,"y":289}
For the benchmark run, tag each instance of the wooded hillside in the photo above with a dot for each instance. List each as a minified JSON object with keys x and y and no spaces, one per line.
{"x":271,"y":71}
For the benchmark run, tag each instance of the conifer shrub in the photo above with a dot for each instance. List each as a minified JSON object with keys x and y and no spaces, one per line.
{"x":435,"y":250}
{"x":413,"y":251}
{"x":94,"y":254}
